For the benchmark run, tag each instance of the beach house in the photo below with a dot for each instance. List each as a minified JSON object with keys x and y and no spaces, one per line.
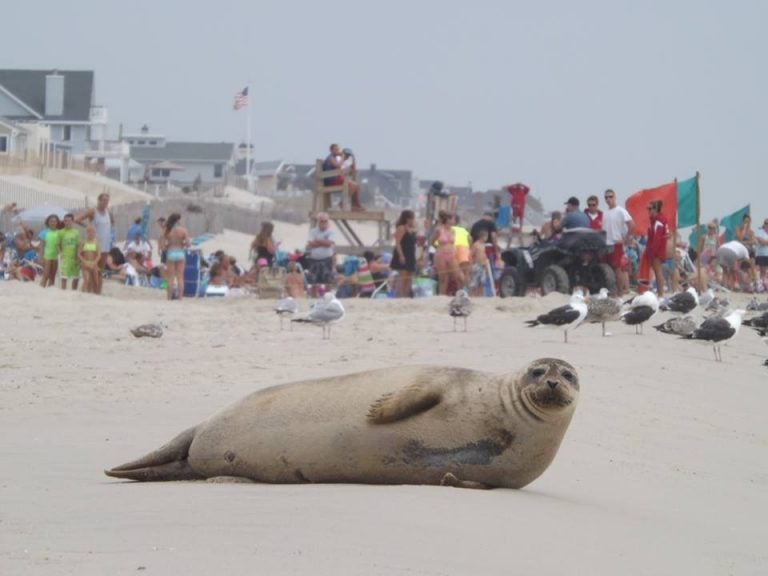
{"x":62,"y":101}
{"x":181,"y":162}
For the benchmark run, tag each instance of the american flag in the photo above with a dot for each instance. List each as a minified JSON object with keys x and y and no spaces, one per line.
{"x":241,"y":99}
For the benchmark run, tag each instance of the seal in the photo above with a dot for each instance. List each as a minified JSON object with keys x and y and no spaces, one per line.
{"x":404,"y":425}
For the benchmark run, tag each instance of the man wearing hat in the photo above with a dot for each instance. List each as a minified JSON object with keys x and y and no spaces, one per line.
{"x":574,"y":218}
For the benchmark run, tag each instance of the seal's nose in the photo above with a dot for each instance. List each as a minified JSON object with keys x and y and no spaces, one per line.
{"x":552,"y":384}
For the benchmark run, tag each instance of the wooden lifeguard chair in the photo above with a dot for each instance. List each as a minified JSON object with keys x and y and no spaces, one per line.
{"x":342,"y":215}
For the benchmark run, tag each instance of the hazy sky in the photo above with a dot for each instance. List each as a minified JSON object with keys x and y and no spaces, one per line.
{"x":568,"y":97}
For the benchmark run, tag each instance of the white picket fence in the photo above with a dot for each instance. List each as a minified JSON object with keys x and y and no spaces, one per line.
{"x":26,"y":197}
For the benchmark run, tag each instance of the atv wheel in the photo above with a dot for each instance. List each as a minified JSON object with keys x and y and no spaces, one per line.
{"x":510,"y":283}
{"x":555,"y":279}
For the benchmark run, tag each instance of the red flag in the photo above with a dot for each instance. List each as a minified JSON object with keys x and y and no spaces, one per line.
{"x":637,"y":206}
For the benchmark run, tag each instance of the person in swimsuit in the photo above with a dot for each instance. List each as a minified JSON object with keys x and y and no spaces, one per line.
{"x":176,"y":242}
{"x":88,"y":256}
{"x":102,"y":219}
{"x":263,"y":246}
{"x":445,"y":257}
{"x":49,"y":249}
{"x":69,"y":241}
{"x":404,"y":256}
{"x":746,"y":236}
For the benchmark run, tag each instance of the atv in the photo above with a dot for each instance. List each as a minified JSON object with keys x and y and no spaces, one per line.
{"x":576,"y":259}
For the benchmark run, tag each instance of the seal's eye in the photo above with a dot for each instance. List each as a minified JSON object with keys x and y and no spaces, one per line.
{"x":568,"y":376}
{"x":538,"y":372}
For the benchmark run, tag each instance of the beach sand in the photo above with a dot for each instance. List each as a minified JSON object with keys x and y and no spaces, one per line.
{"x":663,"y":469}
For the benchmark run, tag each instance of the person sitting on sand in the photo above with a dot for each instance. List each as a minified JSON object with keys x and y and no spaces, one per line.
{"x":294,"y":281}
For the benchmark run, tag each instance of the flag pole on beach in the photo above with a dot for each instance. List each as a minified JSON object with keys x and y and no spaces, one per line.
{"x":248,"y":167}
{"x":241,"y":101}
{"x":699,"y":243}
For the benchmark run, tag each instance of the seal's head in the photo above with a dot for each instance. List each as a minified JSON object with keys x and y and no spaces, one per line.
{"x":549,"y":387}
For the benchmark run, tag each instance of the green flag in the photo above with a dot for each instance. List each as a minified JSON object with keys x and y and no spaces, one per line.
{"x":686,"y":203}
{"x":732,"y":221}
{"x":693,"y":238}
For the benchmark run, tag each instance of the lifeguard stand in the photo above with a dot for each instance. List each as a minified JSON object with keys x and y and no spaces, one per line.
{"x":342,"y":215}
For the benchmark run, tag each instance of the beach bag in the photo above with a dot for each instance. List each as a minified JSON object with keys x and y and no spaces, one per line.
{"x":271,"y":282}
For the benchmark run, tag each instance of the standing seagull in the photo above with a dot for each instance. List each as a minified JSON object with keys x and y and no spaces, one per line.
{"x":602,"y":309}
{"x":286,"y":307}
{"x":324,"y":313}
{"x":640,"y":309}
{"x":755,"y":306}
{"x":718,"y":331}
{"x":566,"y":317}
{"x":460,"y":307}
{"x":683,"y":302}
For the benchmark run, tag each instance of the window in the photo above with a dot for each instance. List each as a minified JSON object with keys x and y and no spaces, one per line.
{"x":141,"y":142}
{"x":160,"y":173}
{"x":3,"y":144}
{"x":67,"y":135}
{"x":218,"y":170}
{"x":152,"y":142}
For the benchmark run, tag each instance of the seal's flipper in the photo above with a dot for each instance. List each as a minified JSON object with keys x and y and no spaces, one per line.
{"x":168,"y":462}
{"x":451,"y":480}
{"x":407,"y":402}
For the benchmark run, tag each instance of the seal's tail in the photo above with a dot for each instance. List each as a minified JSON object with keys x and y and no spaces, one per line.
{"x":168,"y":462}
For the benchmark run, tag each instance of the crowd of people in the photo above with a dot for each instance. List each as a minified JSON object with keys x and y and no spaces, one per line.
{"x":454,"y":256}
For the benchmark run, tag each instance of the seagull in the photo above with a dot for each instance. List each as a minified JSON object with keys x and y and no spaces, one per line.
{"x":324,"y":313}
{"x":681,"y":326}
{"x":639,"y":310}
{"x":706,"y":298}
{"x":460,"y":307}
{"x":717,"y":306}
{"x":602,"y":309}
{"x":718,"y":331}
{"x":683,"y":302}
{"x":566,"y":317}
{"x":757,"y":321}
{"x":286,"y":307}
{"x":755,"y":306}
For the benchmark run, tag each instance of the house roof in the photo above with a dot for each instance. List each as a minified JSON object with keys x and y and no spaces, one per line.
{"x":11,"y":124}
{"x":28,"y":86}
{"x":185,"y":152}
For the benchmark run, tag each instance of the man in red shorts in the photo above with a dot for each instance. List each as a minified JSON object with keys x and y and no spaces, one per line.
{"x":618,"y":226}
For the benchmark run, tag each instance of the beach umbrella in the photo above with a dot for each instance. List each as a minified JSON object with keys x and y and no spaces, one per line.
{"x":36,"y":215}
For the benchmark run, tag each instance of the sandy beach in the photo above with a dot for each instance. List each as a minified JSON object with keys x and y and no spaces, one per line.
{"x":661,"y":472}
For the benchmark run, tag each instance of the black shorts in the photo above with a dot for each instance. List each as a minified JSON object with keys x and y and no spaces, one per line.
{"x":762,"y":261}
{"x":321,"y":271}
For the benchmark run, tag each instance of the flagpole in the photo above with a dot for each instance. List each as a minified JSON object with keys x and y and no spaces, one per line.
{"x":248,"y":167}
{"x":699,"y":243}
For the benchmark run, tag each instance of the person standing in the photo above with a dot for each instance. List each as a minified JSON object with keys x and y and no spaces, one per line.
{"x":321,"y":246}
{"x":103,"y":220}
{"x":461,"y":244}
{"x":49,"y":250}
{"x":404,"y":255}
{"x":656,"y":248}
{"x":69,"y":241}
{"x":447,"y":268}
{"x":761,"y":255}
{"x":176,"y":242}
{"x":593,"y":213}
{"x":619,"y":228}
{"x":746,"y":236}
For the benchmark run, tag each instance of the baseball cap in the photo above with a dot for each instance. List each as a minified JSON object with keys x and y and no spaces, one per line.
{"x":573,"y":201}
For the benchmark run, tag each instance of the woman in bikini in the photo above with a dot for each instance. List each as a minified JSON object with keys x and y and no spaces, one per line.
{"x":445,"y":257}
{"x":176,"y":242}
{"x":88,"y":255}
